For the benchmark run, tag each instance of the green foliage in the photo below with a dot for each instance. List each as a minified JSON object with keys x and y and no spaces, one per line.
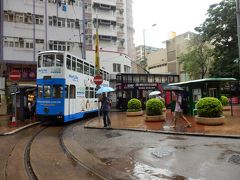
{"x":134,"y":105}
{"x":154,"y":107}
{"x":209,"y":107}
{"x":220,"y":28}
{"x":224,"y":100}
{"x":197,"y":59}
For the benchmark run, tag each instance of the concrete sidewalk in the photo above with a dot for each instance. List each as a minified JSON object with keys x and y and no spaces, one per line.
{"x":120,"y":121}
{"x":8,"y":128}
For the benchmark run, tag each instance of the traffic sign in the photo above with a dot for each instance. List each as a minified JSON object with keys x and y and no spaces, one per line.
{"x":98,"y":79}
{"x":14,"y":76}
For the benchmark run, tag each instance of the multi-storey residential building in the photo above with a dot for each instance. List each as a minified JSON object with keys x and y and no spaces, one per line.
{"x":30,"y":26}
{"x":141,"y":52}
{"x":175,"y":47}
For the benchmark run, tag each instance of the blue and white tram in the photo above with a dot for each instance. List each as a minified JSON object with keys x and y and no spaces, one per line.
{"x":65,"y":87}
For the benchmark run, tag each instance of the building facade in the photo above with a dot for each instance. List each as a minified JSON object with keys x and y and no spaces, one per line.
{"x":30,"y":26}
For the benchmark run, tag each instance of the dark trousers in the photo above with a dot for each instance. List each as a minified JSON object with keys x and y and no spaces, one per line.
{"x":106,"y":119}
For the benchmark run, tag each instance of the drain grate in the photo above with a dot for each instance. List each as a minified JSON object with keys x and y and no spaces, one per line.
{"x":113,"y":134}
{"x":235,"y":159}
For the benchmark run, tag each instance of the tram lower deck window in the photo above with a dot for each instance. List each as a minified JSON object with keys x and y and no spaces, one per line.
{"x":57,"y":91}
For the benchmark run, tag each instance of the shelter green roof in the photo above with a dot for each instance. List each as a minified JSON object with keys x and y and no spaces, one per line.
{"x":203,"y":80}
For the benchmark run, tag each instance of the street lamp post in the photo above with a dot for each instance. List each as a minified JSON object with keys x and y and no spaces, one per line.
{"x":144,"y":47}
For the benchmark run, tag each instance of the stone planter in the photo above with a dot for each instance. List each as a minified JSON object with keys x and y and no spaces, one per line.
{"x":155,"y":118}
{"x":210,"y":121}
{"x":137,"y":113}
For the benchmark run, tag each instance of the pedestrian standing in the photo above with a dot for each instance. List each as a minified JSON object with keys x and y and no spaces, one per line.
{"x":179,"y":111}
{"x":105,"y":107}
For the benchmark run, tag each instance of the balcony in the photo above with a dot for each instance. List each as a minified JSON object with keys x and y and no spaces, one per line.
{"x":105,"y":7}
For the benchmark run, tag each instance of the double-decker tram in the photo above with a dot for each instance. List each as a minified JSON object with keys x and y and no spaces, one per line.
{"x":65,"y":87}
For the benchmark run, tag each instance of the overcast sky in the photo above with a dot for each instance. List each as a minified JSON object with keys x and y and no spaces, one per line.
{"x":169,"y":15}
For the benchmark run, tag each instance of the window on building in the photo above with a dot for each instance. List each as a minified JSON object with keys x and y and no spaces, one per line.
{"x":39,"y":19}
{"x":116,"y":67}
{"x":70,"y":23}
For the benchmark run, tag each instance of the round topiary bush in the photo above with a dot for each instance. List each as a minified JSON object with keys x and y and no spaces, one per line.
{"x":209,"y":107}
{"x":134,"y":105}
{"x":224,"y":100}
{"x":154,"y":107}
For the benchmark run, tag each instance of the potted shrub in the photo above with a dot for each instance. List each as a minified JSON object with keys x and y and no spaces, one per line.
{"x":209,"y":111}
{"x":224,"y":101}
{"x":154,"y":110}
{"x":134,"y":107}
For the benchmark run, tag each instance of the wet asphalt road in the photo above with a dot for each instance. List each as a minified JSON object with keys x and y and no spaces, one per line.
{"x":142,"y":155}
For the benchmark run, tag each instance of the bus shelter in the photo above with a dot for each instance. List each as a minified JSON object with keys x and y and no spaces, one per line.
{"x":209,"y":87}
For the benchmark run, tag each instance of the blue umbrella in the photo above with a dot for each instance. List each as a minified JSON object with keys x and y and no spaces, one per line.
{"x":104,"y":90}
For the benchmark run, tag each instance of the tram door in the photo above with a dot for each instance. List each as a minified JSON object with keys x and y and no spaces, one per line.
{"x":72,"y":101}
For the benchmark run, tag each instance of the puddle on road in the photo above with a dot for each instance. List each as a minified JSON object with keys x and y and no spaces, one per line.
{"x":143,"y":171}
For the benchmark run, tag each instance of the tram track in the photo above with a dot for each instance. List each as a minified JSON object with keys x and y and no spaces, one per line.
{"x":38,"y":153}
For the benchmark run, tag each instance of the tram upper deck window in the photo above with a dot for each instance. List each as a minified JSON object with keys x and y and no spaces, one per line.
{"x":136,"y":79}
{"x":68,"y":61}
{"x":158,"y":79}
{"x":79,"y":66}
{"x":57,"y":91}
{"x":48,"y":60}
{"x":164,"y":79}
{"x":129,"y":79}
{"x":39,"y":61}
{"x":73,"y":63}
{"x":86,"y":68}
{"x":150,"y":79}
{"x":91,"y":70}
{"x":124,"y":79}
{"x":46,"y":91}
{"x":119,"y":79}
{"x":59,"y":60}
{"x":142,"y":79}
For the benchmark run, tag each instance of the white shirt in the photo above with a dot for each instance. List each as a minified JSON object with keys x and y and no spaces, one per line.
{"x":178,"y":102}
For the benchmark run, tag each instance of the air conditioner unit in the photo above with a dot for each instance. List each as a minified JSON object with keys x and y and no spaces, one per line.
{"x":29,"y":14}
{"x":20,"y":39}
{"x":50,"y":42}
{"x":9,"y":12}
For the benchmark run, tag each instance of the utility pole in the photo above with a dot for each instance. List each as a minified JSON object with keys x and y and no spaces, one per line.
{"x":1,"y":32}
{"x":238,"y":34}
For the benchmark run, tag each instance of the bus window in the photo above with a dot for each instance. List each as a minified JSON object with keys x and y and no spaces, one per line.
{"x":79,"y":66}
{"x":46,"y":91}
{"x":68,"y":61}
{"x":40,"y":91}
{"x":86,"y":68}
{"x":91,"y":70}
{"x":59,"y":60}
{"x":48,"y":60}
{"x":91,"y":92}
{"x":57,"y":91}
{"x":66,"y":92}
{"x":72,"y":92}
{"x":39,"y":61}
{"x":73,"y":63}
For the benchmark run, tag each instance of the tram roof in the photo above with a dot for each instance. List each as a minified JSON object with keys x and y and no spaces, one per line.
{"x":203,"y":80}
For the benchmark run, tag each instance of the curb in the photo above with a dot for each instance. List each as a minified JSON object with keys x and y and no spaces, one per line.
{"x":169,"y":132}
{"x":19,"y":129}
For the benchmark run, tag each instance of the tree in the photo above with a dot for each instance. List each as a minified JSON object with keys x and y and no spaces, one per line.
{"x":220,"y":28}
{"x":197,"y":59}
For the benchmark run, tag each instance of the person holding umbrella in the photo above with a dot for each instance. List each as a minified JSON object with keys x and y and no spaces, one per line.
{"x":105,"y":106}
{"x":179,"y":111}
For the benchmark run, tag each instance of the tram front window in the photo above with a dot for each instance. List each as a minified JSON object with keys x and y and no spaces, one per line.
{"x":40,"y":91}
{"x":46,"y":91}
{"x":57,"y":91}
{"x":48,"y":60}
